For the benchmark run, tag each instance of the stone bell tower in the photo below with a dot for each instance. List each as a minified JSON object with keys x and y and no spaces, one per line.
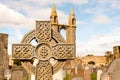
{"x":54,"y":19}
{"x":70,"y":30}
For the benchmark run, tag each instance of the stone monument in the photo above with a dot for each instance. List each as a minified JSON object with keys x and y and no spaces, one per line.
{"x":99,"y":72}
{"x":50,"y":44}
{"x":114,"y":69}
{"x":3,"y":54}
{"x":87,"y":73}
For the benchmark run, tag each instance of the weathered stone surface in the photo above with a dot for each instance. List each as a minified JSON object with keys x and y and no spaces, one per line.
{"x":18,"y":73}
{"x":99,"y":72}
{"x":3,"y":54}
{"x":50,"y":45}
{"x":87,"y":73}
{"x":116,"y":50}
{"x":114,"y":69}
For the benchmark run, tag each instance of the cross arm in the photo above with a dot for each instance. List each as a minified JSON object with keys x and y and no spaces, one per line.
{"x":64,"y":51}
{"x":43,"y":31}
{"x":22,"y":51}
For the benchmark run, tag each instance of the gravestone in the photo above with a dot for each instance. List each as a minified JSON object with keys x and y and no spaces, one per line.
{"x":104,"y":75}
{"x":87,"y":73}
{"x":7,"y":73}
{"x":80,"y":71}
{"x":114,"y":69}
{"x":99,"y":72}
{"x":50,"y":44}
{"x":3,"y":54}
{"x":18,"y":73}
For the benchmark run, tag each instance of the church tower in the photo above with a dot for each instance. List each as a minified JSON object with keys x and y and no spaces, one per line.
{"x":70,"y":30}
{"x":54,"y":19}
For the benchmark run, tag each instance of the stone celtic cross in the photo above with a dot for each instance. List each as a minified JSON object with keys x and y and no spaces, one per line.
{"x":50,"y":45}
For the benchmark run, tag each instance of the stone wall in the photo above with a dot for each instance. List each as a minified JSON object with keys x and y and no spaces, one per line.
{"x":99,"y":60}
{"x":116,"y":52}
{"x":3,"y":54}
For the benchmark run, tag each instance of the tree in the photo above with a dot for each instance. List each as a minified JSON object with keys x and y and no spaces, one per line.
{"x":66,"y":77}
{"x":93,"y":76}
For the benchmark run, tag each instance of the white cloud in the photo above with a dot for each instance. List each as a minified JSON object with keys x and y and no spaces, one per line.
{"x":80,"y":22}
{"x":101,"y":19}
{"x":89,"y":10}
{"x":58,"y":2}
{"x":114,"y":4}
{"x":44,"y":14}
{"x":79,"y":2}
{"x":102,"y":1}
{"x":99,"y":44}
{"x":10,"y":17}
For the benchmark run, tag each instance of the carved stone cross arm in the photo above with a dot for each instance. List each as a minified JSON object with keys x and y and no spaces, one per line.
{"x":43,"y":31}
{"x":22,"y":51}
{"x":63,"y":51}
{"x":43,"y":51}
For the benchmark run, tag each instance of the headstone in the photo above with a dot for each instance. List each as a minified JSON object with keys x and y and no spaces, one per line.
{"x":50,"y":44}
{"x":3,"y":54}
{"x":104,"y":75}
{"x":18,"y":73}
{"x":99,"y":72}
{"x":114,"y":69}
{"x":7,"y":73}
{"x":80,"y":72}
{"x":87,"y":73}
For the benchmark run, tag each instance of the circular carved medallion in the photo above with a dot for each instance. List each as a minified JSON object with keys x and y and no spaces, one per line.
{"x":56,"y":38}
{"x":43,"y":51}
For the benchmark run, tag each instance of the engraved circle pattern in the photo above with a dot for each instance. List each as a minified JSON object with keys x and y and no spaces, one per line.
{"x":56,"y":36}
{"x":43,"y":51}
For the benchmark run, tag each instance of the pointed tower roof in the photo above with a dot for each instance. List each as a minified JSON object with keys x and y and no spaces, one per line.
{"x":72,"y":12}
{"x":53,"y":12}
{"x":72,"y":19}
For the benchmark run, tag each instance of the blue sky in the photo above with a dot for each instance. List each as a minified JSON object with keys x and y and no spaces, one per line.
{"x":98,"y":27}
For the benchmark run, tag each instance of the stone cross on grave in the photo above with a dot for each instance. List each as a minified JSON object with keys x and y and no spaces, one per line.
{"x":50,"y":45}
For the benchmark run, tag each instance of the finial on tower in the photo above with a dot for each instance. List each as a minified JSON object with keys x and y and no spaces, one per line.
{"x":72,"y":19}
{"x":53,"y":16}
{"x":72,"y":12}
{"x":53,"y":9}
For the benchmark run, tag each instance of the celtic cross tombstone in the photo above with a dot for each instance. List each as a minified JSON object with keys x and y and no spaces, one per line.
{"x":50,"y":45}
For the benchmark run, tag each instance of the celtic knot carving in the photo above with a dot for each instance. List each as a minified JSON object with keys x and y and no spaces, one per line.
{"x":63,"y":51}
{"x":47,"y":48}
{"x":43,"y":31}
{"x":43,"y":51}
{"x":46,"y":70}
{"x":22,"y":51}
{"x":29,"y":37}
{"x":29,"y":67}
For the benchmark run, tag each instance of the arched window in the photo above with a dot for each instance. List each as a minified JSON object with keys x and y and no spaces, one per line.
{"x":63,"y":33}
{"x":55,"y":19}
{"x":73,"y":21}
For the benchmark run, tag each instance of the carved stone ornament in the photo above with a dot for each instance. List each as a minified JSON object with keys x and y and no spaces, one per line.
{"x":50,"y":45}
